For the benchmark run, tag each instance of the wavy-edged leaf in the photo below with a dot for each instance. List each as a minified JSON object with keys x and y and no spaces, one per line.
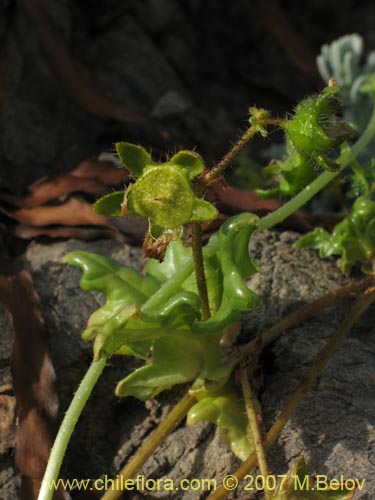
{"x":175,"y":360}
{"x":353,"y":238}
{"x":224,"y":408}
{"x":321,"y":240}
{"x":184,"y":348}
{"x":227,"y":254}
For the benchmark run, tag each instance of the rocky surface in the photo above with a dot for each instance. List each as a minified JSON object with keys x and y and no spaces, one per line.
{"x":334,"y":428}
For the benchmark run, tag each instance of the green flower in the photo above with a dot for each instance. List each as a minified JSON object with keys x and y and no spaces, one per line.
{"x":315,"y":129}
{"x":163,"y":192}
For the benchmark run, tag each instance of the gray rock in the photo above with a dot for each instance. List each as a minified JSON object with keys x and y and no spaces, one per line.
{"x":334,"y":427}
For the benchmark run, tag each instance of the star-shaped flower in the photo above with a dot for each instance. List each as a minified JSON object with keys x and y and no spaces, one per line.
{"x":163,"y":192}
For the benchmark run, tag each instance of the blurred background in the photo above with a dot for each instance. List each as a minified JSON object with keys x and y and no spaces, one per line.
{"x":76,"y":76}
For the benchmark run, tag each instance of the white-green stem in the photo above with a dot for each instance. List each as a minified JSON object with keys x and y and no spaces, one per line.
{"x":68,"y":424}
{"x":169,"y":287}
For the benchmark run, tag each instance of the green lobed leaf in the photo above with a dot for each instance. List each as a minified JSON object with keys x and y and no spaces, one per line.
{"x":227,"y":255}
{"x":224,"y":408}
{"x":353,"y":238}
{"x":361,"y":179}
{"x":175,"y":360}
{"x":320,"y":240}
{"x":183,"y":348}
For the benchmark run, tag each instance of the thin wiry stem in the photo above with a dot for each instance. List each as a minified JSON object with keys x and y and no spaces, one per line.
{"x":250,"y":463}
{"x":218,"y":170}
{"x":149,"y":446}
{"x":254,"y":421}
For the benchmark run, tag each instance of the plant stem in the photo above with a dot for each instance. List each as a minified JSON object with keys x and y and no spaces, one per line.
{"x":67,"y":427}
{"x":273,"y":218}
{"x":303,"y":313}
{"x":250,"y":463}
{"x":254,"y":422}
{"x":320,"y":182}
{"x":150,"y":445}
{"x":217,"y":171}
{"x":196,"y":232}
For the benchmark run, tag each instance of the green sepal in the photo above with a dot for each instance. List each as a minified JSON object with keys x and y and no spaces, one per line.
{"x":299,"y":485}
{"x":292,"y":174}
{"x":190,"y":161}
{"x":225,"y":409}
{"x":314,"y":128}
{"x":203,"y":211}
{"x":134,"y":158}
{"x":110,"y":204}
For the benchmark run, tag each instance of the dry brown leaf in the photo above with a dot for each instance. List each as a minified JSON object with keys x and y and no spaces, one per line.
{"x":74,"y":212}
{"x":81,"y":233}
{"x":232,"y":200}
{"x":56,"y":189}
{"x":33,"y":380}
{"x":90,"y":176}
{"x":106,"y":172}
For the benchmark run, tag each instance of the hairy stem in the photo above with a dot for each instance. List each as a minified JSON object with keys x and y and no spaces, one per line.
{"x":196,"y":232}
{"x":150,"y":445}
{"x":254,"y":421}
{"x":67,"y":427}
{"x":273,"y":218}
{"x":250,"y":463}
{"x":218,"y":170}
{"x":297,"y":317}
